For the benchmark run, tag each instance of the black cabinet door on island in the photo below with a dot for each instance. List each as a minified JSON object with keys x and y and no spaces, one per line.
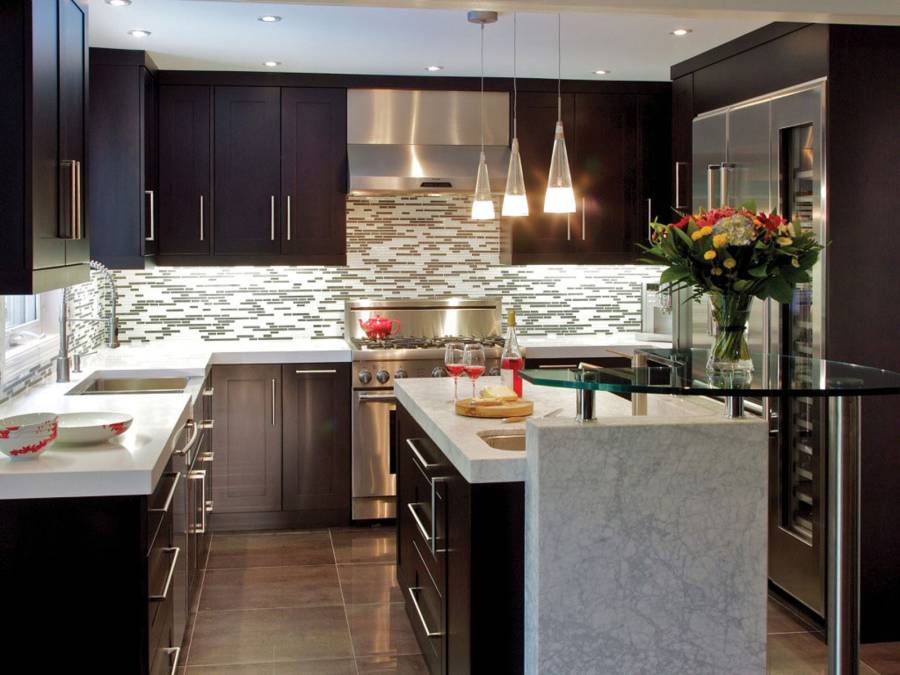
{"x":460,"y":560}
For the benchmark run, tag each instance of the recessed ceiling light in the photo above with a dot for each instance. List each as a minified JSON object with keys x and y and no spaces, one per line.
{"x":139,"y":33}
{"x":681,"y":32}
{"x":434,"y":69}
{"x":272,"y":64}
{"x":601,"y":71}
{"x":118,"y":3}
{"x":269,"y":18}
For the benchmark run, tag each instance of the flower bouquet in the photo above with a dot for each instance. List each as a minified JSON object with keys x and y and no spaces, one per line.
{"x":733,"y":255}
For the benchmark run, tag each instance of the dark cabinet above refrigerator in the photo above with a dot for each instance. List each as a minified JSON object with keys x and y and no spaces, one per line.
{"x":43,"y":120}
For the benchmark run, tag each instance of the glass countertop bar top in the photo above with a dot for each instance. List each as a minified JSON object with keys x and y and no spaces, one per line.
{"x":683,"y":372}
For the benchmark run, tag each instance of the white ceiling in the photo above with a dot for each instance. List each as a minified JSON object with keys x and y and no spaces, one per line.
{"x":192,"y":35}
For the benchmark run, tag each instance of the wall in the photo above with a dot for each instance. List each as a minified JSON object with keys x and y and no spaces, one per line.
{"x":397,"y":247}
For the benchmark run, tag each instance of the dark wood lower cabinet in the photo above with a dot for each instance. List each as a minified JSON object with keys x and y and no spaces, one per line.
{"x":460,"y":560}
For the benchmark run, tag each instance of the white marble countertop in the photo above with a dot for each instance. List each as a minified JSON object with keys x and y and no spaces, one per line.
{"x":429,"y":403}
{"x":584,"y":346}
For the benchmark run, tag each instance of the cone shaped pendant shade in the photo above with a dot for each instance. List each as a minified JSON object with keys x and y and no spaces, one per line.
{"x":482,"y":204}
{"x":560,"y":197}
{"x":515,"y":203}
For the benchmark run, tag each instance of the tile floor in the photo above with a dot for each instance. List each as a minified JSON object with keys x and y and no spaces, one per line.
{"x":326,"y":602}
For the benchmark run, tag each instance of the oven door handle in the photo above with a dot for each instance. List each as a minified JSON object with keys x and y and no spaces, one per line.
{"x":377,"y":398}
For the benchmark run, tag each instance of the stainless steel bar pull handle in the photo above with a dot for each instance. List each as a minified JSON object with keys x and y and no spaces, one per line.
{"x":272,"y":217}
{"x":679,"y":204}
{"x":202,"y":233}
{"x":711,"y":185}
{"x":152,"y":236}
{"x":273,"y":401}
{"x":72,"y":230}
{"x":200,"y":474}
{"x":79,"y":209}
{"x":177,"y":652}
{"x":583,"y":220}
{"x":324,"y":371}
{"x":195,"y":432}
{"x":649,"y":219}
{"x":411,"y":442}
{"x":420,"y":525}
{"x":434,"y":498}
{"x":288,"y":218}
{"x":175,"y":551}
{"x":569,"y":227}
{"x":412,"y":596}
{"x":726,"y":184}
{"x":168,"y":502}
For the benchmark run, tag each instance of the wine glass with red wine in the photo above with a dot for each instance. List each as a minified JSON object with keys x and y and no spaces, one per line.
{"x":473,"y":361}
{"x":453,"y":361}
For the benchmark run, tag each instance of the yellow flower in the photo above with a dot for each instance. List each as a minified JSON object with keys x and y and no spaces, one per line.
{"x":709,"y":255}
{"x":795,"y":262}
{"x":730,"y":263}
{"x":716,"y":271}
{"x":720,"y":240}
{"x":702,"y":232}
{"x":784,"y":241}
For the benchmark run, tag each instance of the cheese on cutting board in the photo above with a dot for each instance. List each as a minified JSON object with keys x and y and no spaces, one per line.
{"x":498,"y":392}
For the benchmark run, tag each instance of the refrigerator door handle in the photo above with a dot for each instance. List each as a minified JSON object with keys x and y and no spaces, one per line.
{"x":726,"y":184}
{"x":711,"y":185}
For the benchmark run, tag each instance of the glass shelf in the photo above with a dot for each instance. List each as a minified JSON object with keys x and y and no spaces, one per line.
{"x":683,"y":372}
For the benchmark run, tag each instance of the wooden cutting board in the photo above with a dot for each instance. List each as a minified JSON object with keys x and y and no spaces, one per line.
{"x":470,"y":408}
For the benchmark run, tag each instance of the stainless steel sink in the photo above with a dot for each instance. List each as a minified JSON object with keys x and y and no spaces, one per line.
{"x":504,"y":440}
{"x":99,"y":384}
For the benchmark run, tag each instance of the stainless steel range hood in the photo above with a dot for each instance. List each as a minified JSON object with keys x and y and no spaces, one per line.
{"x":424,"y":141}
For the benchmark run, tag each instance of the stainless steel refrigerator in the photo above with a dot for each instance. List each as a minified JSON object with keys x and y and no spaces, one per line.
{"x":771,"y":150}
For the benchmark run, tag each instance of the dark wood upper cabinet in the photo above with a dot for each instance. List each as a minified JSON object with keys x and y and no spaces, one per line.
{"x":43,"y":127}
{"x":247,"y":438}
{"x":184,"y":201}
{"x":247,"y":170}
{"x":314,"y":174}
{"x":316,"y":451}
{"x":124,"y":194}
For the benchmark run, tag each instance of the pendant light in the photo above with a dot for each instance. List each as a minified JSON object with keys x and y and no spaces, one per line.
{"x":560,"y":197}
{"x":515,"y":202}
{"x":483,"y":202}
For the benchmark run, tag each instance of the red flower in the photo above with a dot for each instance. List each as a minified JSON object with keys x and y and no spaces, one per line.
{"x":684,"y":221}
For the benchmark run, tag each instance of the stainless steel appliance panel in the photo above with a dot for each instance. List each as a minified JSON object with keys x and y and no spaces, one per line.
{"x":374,"y":483}
{"x":709,"y":149}
{"x":429,"y":318}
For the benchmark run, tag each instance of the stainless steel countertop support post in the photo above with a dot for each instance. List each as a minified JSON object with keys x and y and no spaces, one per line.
{"x":639,"y":401}
{"x":843,"y":535}
{"x":584,"y":401}
{"x":734,"y":406}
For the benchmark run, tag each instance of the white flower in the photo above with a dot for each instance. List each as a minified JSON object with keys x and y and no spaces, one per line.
{"x":738,"y":228}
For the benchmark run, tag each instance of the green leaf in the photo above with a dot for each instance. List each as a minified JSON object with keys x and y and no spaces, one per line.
{"x":686,"y":239}
{"x":750,"y":205}
{"x":760,"y":271}
{"x":742,"y":285}
{"x":673,"y":274}
{"x":780,"y":290}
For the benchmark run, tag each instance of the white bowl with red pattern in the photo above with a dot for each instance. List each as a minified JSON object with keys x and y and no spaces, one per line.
{"x":27,"y":436}
{"x":92,"y":427}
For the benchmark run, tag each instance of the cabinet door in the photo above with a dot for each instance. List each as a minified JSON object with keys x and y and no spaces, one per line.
{"x":73,"y":79}
{"x":247,"y":170}
{"x":185,"y":171}
{"x":316,"y":453}
{"x":314,"y":173}
{"x":247,"y":438}
{"x":540,"y":237}
{"x":604,"y":168}
{"x":654,"y":165}
{"x":150,"y":228}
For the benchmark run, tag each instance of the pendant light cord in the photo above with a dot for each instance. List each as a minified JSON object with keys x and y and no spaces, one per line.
{"x":482,"y":88}
{"x":515,"y":73}
{"x":558,"y":67}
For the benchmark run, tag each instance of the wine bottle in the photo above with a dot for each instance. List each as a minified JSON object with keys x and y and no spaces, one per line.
{"x":511,"y":361}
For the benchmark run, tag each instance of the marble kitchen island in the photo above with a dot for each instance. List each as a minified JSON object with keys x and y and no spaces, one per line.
{"x":644,"y":537}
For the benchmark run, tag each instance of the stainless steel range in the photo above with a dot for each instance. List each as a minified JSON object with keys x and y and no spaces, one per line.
{"x":416,"y":350}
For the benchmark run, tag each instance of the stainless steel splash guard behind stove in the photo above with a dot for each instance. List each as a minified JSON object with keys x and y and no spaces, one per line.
{"x":417,"y":350}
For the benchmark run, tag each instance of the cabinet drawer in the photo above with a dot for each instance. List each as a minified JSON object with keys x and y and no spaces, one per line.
{"x":160,"y":505}
{"x":425,"y":606}
{"x":425,"y":512}
{"x":165,"y":657}
{"x":161,"y":564}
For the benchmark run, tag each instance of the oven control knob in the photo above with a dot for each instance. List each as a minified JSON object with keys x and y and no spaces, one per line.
{"x":438,"y":371}
{"x":365,"y":376}
{"x":493,"y":372}
{"x":400,"y":374}
{"x":382,"y":376}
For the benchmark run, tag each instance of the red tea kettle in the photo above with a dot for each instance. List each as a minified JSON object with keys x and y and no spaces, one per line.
{"x":379,"y":327}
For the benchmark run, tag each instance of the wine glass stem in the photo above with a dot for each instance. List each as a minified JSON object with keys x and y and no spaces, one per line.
{"x":473,"y":388}
{"x":455,"y":388}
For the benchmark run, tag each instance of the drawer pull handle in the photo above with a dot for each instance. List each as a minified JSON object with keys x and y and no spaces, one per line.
{"x":316,"y":372}
{"x":206,"y":424}
{"x":412,"y":596}
{"x":177,"y":652}
{"x":411,"y":442}
{"x":200,"y":474}
{"x":420,"y":525}
{"x":195,"y":432}
{"x":170,"y":496}
{"x":175,"y":551}
{"x":209,"y":392}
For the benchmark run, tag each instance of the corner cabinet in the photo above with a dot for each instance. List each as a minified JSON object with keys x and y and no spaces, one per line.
{"x":282,"y":445}
{"x":252,"y":175}
{"x":619,"y":147}
{"x":43,"y":129}
{"x":460,"y":560}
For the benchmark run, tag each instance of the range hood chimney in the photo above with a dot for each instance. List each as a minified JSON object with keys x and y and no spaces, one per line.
{"x":402,"y":141}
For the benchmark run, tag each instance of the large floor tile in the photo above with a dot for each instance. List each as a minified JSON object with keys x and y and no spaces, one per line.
{"x":317,"y":667}
{"x":267,"y":587}
{"x":381,"y":629}
{"x":234,"y":669}
{"x":371,"y":583}
{"x":883,"y":657}
{"x":269,"y":550}
{"x":265,"y":635}
{"x":395,"y":665}
{"x":783,"y":619}
{"x":801,"y":654}
{"x":371,"y":544}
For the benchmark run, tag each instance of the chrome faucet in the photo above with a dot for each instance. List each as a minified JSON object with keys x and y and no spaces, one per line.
{"x":111,"y":321}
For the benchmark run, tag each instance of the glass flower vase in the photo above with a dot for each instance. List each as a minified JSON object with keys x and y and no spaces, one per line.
{"x":729,"y":363}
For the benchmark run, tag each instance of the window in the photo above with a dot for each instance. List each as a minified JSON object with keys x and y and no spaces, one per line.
{"x":23,"y":319}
